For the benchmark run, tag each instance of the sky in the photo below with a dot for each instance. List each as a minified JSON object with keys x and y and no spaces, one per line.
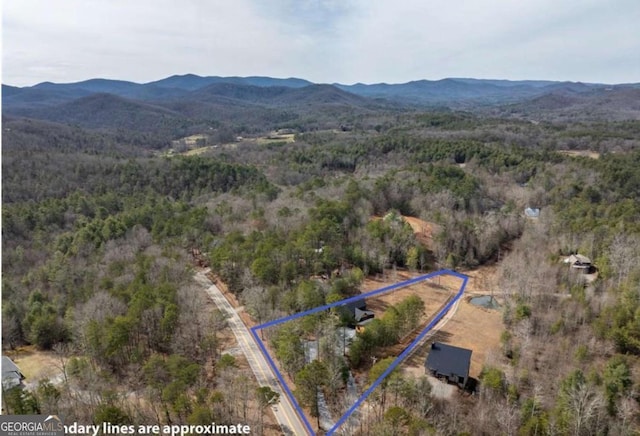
{"x":324,"y":41}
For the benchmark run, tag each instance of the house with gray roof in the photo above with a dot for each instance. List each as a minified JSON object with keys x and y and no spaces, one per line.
{"x":11,"y":375}
{"x":449,"y":362}
{"x":532,"y":212}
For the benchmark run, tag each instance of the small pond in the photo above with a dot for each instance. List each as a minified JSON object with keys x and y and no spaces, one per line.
{"x":486,"y":301}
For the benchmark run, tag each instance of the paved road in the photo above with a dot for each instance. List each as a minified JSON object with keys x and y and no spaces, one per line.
{"x":286,"y":415}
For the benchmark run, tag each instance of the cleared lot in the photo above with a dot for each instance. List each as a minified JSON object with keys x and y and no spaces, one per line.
{"x":471,"y":327}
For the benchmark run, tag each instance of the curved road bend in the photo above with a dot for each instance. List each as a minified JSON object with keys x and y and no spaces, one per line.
{"x":286,"y":415}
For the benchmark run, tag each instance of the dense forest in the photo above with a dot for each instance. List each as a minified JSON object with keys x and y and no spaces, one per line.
{"x":99,"y":226}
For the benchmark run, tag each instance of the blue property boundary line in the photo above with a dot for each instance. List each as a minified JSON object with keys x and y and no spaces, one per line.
{"x":394,"y":364}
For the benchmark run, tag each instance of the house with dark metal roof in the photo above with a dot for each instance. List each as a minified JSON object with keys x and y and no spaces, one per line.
{"x":11,"y":375}
{"x":355,"y":313}
{"x":449,"y":363}
{"x":351,"y":306}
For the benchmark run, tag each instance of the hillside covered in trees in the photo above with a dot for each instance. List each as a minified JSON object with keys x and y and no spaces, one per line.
{"x":99,"y":220}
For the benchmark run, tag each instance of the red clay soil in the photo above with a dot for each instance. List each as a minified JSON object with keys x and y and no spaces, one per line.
{"x":423,"y":230}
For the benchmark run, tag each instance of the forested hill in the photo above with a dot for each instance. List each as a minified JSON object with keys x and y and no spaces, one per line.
{"x":173,"y":111}
{"x":103,"y":110}
{"x":179,"y":102}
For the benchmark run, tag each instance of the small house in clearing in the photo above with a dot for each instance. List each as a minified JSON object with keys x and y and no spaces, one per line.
{"x":11,"y":375}
{"x":532,"y":212}
{"x":449,"y":362}
{"x":579,"y":262}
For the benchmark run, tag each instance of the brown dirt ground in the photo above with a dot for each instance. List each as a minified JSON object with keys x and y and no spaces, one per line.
{"x":423,"y":230}
{"x":482,"y":281}
{"x":431,"y":294}
{"x":471,"y":327}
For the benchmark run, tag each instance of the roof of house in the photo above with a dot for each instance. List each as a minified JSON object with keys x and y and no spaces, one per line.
{"x":353,"y":305}
{"x":447,"y":359}
{"x":363,"y":315}
{"x":8,"y":366}
{"x":365,"y":322}
{"x":532,"y":212}
{"x":578,"y":259}
{"x":11,"y":374}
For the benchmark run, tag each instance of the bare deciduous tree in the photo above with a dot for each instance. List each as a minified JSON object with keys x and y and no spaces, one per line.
{"x":585,"y":405}
{"x":624,"y":252}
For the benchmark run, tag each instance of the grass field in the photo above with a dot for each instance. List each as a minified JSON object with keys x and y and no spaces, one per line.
{"x":36,"y":365}
{"x":274,"y":138}
{"x":583,"y":153}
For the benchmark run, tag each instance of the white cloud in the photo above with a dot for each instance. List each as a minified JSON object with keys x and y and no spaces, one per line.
{"x":324,"y":41}
{"x":499,"y":39}
{"x":139,"y":40}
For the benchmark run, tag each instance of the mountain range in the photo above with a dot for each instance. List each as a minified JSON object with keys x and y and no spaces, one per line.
{"x":180,"y":99}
